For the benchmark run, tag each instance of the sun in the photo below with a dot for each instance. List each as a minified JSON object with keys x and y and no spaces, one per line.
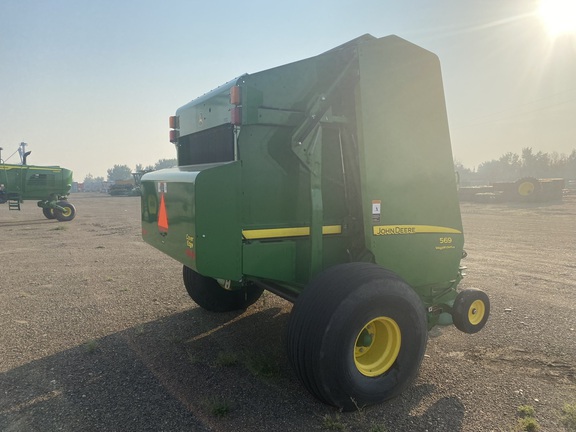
{"x":559,"y":16}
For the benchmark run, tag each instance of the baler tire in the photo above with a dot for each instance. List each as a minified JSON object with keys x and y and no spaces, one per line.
{"x":344,"y":310}
{"x":67,"y":214}
{"x":209,"y":295}
{"x":470,"y":310}
{"x":48,"y":213}
{"x":528,"y":188}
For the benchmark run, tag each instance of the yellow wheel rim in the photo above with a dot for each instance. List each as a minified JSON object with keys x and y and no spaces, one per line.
{"x":476,"y":312}
{"x":377,"y":346}
{"x":66,"y":212}
{"x":526,"y":188}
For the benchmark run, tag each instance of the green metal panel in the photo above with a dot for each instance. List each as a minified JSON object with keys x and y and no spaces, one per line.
{"x":34,"y":182}
{"x":207,"y":111}
{"x":270,"y":260}
{"x":341,"y":157}
{"x":218,"y":232}
{"x":176,"y":234}
{"x":279,"y":190}
{"x":201,"y":226}
{"x":406,"y":163}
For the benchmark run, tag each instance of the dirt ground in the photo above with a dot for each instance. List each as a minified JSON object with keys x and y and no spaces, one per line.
{"x":98,"y":334}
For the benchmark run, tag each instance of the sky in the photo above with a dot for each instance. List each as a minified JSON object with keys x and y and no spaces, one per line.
{"x":90,"y":84}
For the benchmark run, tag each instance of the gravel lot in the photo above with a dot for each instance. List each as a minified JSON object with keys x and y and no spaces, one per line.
{"x":98,"y":334}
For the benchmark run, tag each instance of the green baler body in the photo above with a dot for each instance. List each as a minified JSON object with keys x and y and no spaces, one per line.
{"x":341,"y":157}
{"x":31,"y":182}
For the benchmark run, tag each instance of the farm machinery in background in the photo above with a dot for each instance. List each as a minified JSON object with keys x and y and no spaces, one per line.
{"x":129,"y":187}
{"x":329,"y":182}
{"x":50,"y":185}
{"x":527,"y":189}
{"x":122,"y":188}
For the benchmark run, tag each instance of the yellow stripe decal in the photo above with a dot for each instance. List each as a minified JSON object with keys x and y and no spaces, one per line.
{"x":287,"y":232}
{"x":24,"y":167}
{"x":412,"y":229}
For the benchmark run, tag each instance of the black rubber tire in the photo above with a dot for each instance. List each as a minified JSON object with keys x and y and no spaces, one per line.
{"x":48,"y":213}
{"x":328,"y":317}
{"x":208,"y":294}
{"x":464,"y":305}
{"x":68,"y":214}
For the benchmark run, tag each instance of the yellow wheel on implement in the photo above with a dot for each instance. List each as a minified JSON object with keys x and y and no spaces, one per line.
{"x":528,"y":188}
{"x":471,"y":310}
{"x":356,"y":335}
{"x":476,"y":312}
{"x":377,"y":346}
{"x":48,"y":213}
{"x":65,"y":212}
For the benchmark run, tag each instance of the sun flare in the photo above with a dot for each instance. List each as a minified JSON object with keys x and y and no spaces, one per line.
{"x":559,"y":16}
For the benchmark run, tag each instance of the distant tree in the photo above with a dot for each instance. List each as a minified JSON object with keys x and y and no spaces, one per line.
{"x":91,"y":179}
{"x":165,"y":163}
{"x":140,"y":168}
{"x":459,"y":167}
{"x":570,"y":168}
{"x":119,"y":172}
{"x":93,"y":184}
{"x":465,"y":176}
{"x":535,"y":164}
{"x":490,"y":171}
{"x":510,"y":167}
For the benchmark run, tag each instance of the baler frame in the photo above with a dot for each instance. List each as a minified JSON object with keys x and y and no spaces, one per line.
{"x":338,"y":194}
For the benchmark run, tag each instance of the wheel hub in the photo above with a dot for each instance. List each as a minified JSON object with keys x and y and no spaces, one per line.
{"x":476,"y":312}
{"x":377,"y":346}
{"x":526,"y":188}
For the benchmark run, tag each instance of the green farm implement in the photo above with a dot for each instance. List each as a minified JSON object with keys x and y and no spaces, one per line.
{"x":329,"y":182}
{"x":50,"y":185}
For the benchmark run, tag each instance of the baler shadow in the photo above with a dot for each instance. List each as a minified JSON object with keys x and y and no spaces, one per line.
{"x":169,"y":374}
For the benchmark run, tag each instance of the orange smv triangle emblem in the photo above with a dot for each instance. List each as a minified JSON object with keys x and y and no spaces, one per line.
{"x":162,"y":217}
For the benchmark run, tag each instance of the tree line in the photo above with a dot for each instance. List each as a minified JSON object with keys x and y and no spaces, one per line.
{"x":511,"y":167}
{"x":124,"y":172}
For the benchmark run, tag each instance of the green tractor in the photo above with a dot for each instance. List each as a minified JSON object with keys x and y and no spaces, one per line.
{"x":48,"y":184}
{"x":329,"y":182}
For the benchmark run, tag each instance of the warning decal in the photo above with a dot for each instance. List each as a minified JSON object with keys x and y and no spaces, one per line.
{"x":162,"y":187}
{"x":376,"y":209}
{"x":162,"y":216}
